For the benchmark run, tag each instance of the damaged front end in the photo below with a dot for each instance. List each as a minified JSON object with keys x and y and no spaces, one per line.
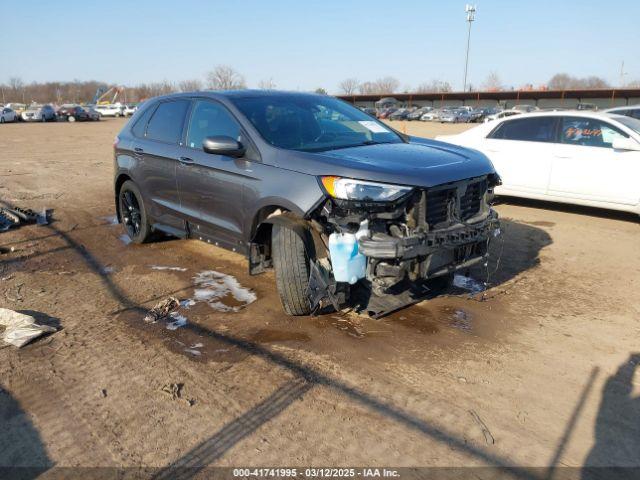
{"x":415,"y":234}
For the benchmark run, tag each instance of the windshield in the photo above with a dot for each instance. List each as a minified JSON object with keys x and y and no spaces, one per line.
{"x":630,"y":122}
{"x":312,"y":123}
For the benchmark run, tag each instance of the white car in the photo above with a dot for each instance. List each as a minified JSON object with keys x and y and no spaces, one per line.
{"x":129,"y":109}
{"x":579,"y":157}
{"x":111,"y":110}
{"x":7,"y":115}
{"x":629,"y":111}
{"x":502,"y":114}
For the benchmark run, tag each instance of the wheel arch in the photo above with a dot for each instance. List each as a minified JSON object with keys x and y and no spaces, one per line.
{"x":120,"y":179}
{"x":260,"y":243}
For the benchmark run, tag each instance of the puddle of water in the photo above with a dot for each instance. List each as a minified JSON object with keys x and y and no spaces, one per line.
{"x":110,"y":220}
{"x":163,"y":267}
{"x":415,"y":320}
{"x":179,"y":321}
{"x":124,"y":238}
{"x":268,"y":335}
{"x":468,"y":283}
{"x":106,"y":270}
{"x":221,"y":292}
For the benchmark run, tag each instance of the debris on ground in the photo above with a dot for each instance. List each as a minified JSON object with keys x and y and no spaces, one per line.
{"x":468,"y":283}
{"x":164,"y":267}
{"x":20,"y":329}
{"x":16,"y":216}
{"x":174,"y":390}
{"x":485,"y":430}
{"x":162,"y":310}
{"x":103,"y":392}
{"x":219,"y":289}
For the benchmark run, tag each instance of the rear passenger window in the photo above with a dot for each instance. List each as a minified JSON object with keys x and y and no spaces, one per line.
{"x":141,"y":124}
{"x":166,"y":123}
{"x":589,"y":132}
{"x":538,"y":129}
{"x":210,"y":119}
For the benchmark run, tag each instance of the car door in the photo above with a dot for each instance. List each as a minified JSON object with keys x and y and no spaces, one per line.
{"x":158,"y":152}
{"x":521,"y":152}
{"x":211,"y":185}
{"x":586,"y":166}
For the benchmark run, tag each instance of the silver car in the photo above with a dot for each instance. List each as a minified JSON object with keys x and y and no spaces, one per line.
{"x":39,"y":113}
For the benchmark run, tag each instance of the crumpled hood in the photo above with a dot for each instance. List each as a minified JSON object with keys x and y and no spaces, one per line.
{"x":422,"y":163}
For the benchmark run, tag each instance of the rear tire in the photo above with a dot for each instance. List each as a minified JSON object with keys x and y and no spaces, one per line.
{"x":133,"y":213}
{"x":291,"y":264}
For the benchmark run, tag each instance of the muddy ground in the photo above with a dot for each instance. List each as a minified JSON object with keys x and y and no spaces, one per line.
{"x":539,"y":371}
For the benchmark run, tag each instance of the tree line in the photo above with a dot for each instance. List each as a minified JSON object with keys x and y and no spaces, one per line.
{"x":224,"y":77}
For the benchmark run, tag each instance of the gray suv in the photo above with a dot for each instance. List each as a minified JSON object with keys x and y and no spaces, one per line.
{"x":308,"y":185}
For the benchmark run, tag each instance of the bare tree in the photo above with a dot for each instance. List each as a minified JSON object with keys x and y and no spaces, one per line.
{"x":434,"y":86}
{"x":564,"y":81}
{"x":368,"y":88}
{"x":387,"y":84}
{"x":223,"y":77}
{"x":633,"y":84}
{"x":349,"y":86}
{"x":320,"y":90}
{"x":267,"y":84}
{"x":192,"y":85}
{"x":492,"y":82}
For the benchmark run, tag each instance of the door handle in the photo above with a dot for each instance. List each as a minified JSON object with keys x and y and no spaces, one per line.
{"x":138,"y":150}
{"x":186,"y":160}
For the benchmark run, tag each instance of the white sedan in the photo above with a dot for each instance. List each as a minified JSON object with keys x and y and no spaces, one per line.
{"x":110,"y":110}
{"x":7,"y":115}
{"x":585,"y":158}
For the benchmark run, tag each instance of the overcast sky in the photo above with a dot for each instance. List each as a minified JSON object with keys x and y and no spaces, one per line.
{"x":305,"y":44}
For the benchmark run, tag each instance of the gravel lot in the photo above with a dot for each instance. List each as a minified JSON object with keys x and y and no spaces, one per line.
{"x":536,"y":372}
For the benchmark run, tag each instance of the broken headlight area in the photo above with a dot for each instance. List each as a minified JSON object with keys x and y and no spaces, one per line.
{"x":420,"y":234}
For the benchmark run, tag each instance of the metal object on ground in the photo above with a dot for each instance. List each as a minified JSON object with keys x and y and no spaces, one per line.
{"x":16,"y":216}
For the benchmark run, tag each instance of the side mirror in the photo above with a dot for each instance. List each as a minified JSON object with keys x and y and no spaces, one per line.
{"x":628,"y":144}
{"x":223,"y":145}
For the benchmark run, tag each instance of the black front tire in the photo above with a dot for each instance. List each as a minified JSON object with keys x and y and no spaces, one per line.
{"x":292,"y":267}
{"x":133,"y":213}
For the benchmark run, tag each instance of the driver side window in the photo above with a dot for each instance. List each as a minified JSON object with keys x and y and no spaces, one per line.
{"x":210,"y":119}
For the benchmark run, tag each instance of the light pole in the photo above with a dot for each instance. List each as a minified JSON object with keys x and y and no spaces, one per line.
{"x":471,"y":16}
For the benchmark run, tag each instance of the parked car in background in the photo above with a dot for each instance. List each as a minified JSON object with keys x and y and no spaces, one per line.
{"x":18,"y":108}
{"x":37,"y":113}
{"x":400,"y":114}
{"x":129,"y":109}
{"x":94,"y":115}
{"x":73,"y":113}
{"x":585,"y":158}
{"x":502,"y":114}
{"x":111,"y":110}
{"x":524,"y":108}
{"x":586,"y":106}
{"x":418,"y":113}
{"x":630,"y":111}
{"x":369,"y":111}
{"x":432,"y":115}
{"x":307,"y":185}
{"x":457,"y":115}
{"x":382,"y":114}
{"x":7,"y":115}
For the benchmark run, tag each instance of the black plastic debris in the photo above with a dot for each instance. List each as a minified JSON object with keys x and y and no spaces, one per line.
{"x":15,"y":217}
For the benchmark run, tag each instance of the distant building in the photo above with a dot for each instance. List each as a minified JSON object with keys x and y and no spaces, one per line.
{"x":542,"y":98}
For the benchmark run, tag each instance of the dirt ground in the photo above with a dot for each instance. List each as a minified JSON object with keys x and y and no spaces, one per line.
{"x":538,"y":371}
